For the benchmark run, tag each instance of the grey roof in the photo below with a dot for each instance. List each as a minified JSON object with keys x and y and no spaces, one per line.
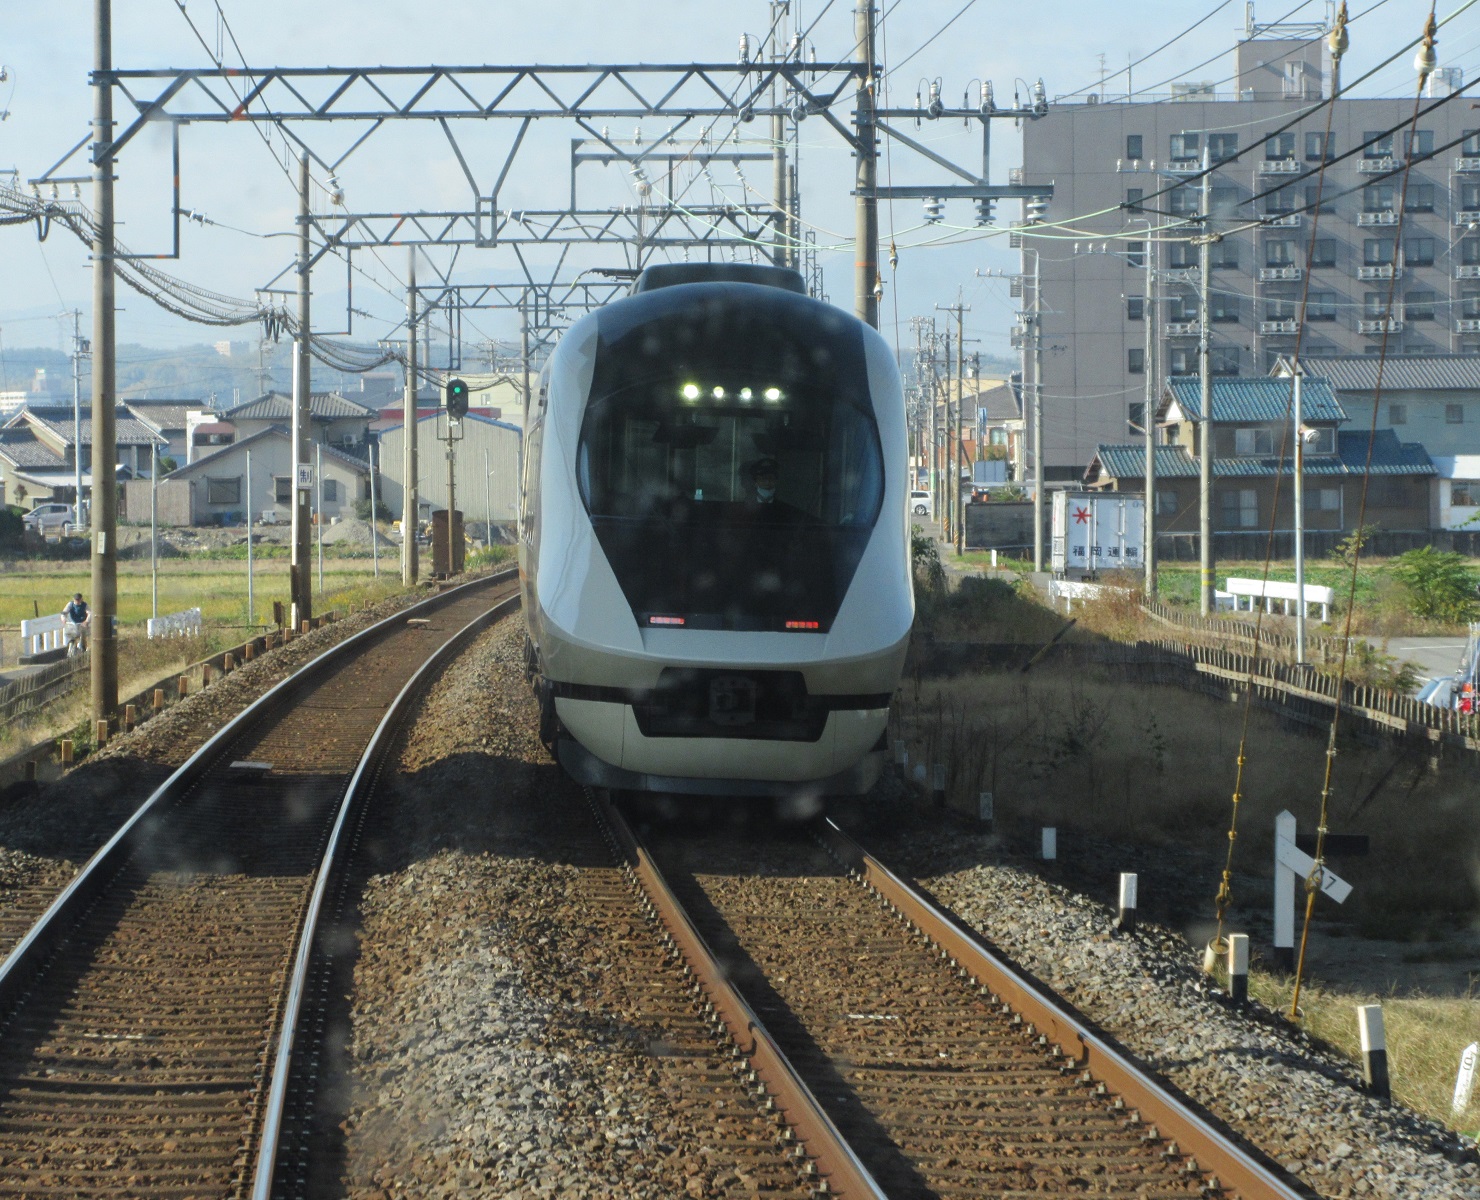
{"x":1389,"y":457}
{"x":998,"y":403}
{"x":20,"y":446}
{"x":271,"y":431}
{"x":1261,"y":399}
{"x":129,"y":430}
{"x":275,"y":406}
{"x":1402,"y":372}
{"x":162,"y":416}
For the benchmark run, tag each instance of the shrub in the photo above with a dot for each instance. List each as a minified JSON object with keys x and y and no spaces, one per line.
{"x":1440,"y":585}
{"x":12,"y":527}
{"x":362,"y":510}
{"x":930,"y":572}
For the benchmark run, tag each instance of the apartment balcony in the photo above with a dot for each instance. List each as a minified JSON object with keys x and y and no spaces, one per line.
{"x":1380,"y":271}
{"x":1285,"y":221}
{"x":1287,"y":327}
{"x":1384,"y":216}
{"x":1467,"y":164}
{"x":1467,"y":325}
{"x":1279,"y":166}
{"x":1280,"y":274}
{"x":1376,"y":166}
{"x":1467,"y":216}
{"x":1381,"y":325}
{"x":1467,"y":271}
{"x":1015,"y":176}
{"x":1183,"y":166}
{"x":1181,"y":329}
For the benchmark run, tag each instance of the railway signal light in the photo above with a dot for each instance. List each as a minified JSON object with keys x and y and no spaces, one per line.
{"x":457,"y":399}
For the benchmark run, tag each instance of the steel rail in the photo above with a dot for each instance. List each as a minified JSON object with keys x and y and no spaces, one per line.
{"x":839,"y":1167}
{"x":330,"y":867}
{"x":31,"y":953}
{"x":1213,"y":1151}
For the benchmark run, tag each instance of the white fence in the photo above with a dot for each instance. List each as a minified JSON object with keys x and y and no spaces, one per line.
{"x":1287,"y":593}
{"x":40,"y":634}
{"x":180,"y":624}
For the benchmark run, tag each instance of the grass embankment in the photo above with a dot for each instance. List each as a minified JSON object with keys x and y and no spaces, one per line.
{"x":1096,"y":756}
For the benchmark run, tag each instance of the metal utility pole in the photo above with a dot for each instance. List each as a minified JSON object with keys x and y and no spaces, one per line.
{"x":1299,"y":520}
{"x":302,"y":431}
{"x":1205,"y":449}
{"x":318,"y":508}
{"x":104,"y":382}
{"x":1037,"y":417}
{"x":154,"y":539}
{"x":77,"y":352}
{"x":374,"y":510}
{"x":487,"y":500}
{"x":1148,"y":421}
{"x":251,"y":567}
{"x":408,"y":427}
{"x":779,"y":174}
{"x":866,"y":226}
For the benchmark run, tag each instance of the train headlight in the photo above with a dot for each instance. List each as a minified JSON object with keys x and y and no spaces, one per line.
{"x":773,"y":394}
{"x":691,"y":391}
{"x":718,"y":393}
{"x":746,"y":395}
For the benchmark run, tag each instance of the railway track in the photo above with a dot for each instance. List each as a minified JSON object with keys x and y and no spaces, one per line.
{"x":138,"y":1016}
{"x":911,"y":1061}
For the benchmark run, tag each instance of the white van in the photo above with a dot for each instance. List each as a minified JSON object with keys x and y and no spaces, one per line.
{"x":921,"y":503}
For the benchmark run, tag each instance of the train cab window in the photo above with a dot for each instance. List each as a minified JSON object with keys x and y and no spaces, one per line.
{"x":734,"y":481}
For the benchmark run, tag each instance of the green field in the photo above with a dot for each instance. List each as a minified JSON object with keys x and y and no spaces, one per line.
{"x":218,"y":589}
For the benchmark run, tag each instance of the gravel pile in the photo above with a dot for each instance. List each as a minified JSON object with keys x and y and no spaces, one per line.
{"x":1301,"y":1105}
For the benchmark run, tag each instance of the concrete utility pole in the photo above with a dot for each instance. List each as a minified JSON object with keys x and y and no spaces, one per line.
{"x":451,"y":499}
{"x":77,"y":352}
{"x":1148,"y":421}
{"x":408,"y":429}
{"x":104,"y":382}
{"x":866,"y":227}
{"x":956,"y":455}
{"x":1205,"y":449}
{"x":1299,"y":371}
{"x":301,"y":581}
{"x":779,"y":174}
{"x":1037,"y":417}
{"x":251,"y":578}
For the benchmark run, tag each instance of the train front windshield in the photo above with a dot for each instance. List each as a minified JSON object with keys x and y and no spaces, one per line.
{"x":731,"y":466}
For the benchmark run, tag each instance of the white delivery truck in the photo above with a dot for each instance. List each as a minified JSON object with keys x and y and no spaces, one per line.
{"x":1097,"y":531}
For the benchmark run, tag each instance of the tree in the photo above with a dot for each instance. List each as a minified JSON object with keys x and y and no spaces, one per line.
{"x":1440,"y":584}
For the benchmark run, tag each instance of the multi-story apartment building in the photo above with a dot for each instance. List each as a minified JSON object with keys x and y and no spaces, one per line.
{"x":1109,"y":162}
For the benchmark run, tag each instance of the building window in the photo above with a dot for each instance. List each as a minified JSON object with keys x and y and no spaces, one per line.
{"x":1279,"y":252}
{"x":1454,"y":414}
{"x":1378,"y":252}
{"x":1136,"y":415}
{"x":1378,"y":197}
{"x":1374,"y":305}
{"x":1186,"y":147}
{"x":1280,"y":202}
{"x":282,"y":489}
{"x":1133,"y":198}
{"x":1469,"y":251}
{"x":1418,"y":251}
{"x":1322,"y":440}
{"x":1464,"y":493}
{"x":1318,"y":199}
{"x":1280,"y":147}
{"x":1420,"y":198}
{"x":1184,"y":201}
{"x":1135,"y":361}
{"x":1281,"y":309}
{"x":1247,"y":442}
{"x":1241,"y":508}
{"x":1224,"y":201}
{"x":1321,"y":306}
{"x":1222,"y":147}
{"x":1420,"y":305}
{"x":1470,"y":147}
{"x":1223,"y":360}
{"x":1469,"y":304}
{"x":1326,"y":499}
{"x":1135,"y":254}
{"x":1223,"y":308}
{"x":1323,"y":253}
{"x":1181,"y":255}
{"x":1166,"y":503}
{"x":331,"y":490}
{"x":1135,"y":308}
{"x":1182,"y":361}
{"x":1315,"y":151}
{"x":1418,"y":143}
{"x":1133,"y":145}
{"x":1376,"y":144}
{"x":224,"y":491}
{"x":1223,"y":254}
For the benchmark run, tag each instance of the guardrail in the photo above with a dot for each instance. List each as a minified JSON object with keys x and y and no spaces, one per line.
{"x":40,"y":634}
{"x":180,"y":624}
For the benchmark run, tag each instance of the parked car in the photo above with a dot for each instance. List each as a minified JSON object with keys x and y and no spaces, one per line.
{"x":921,"y":503}
{"x":49,"y":520}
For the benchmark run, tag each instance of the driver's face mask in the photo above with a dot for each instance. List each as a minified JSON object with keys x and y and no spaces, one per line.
{"x":764,"y":492}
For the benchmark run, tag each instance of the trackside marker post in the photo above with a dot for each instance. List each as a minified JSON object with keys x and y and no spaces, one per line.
{"x":985,"y":809}
{"x":1050,"y":843}
{"x":1374,"y":1050}
{"x":1464,"y":1085}
{"x":1238,"y":968}
{"x":938,"y":784}
{"x":1125,"y":921}
{"x":1292,"y":863}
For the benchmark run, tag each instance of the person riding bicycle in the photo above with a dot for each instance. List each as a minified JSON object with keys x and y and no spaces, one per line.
{"x":78,"y":620}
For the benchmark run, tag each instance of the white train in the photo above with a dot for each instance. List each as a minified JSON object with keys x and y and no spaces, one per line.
{"x":714,"y":544}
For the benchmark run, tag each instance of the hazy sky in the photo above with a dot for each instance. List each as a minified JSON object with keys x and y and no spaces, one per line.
{"x":230,"y":176}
